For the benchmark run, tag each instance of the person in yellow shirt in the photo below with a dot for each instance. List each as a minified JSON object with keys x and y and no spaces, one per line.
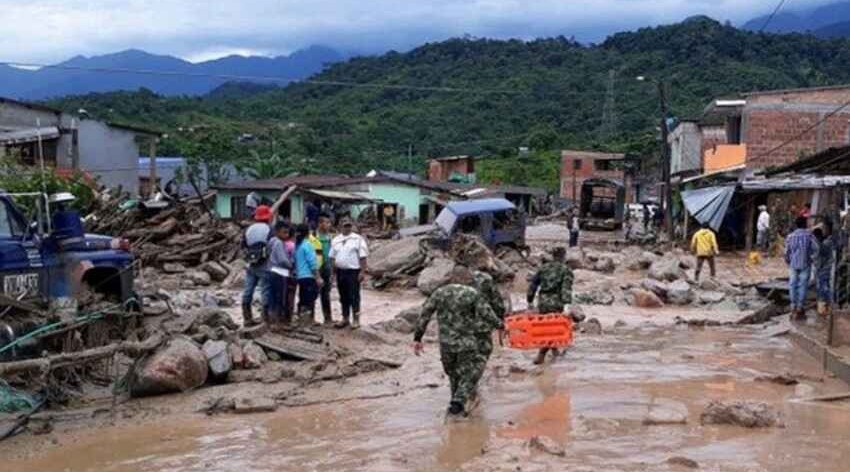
{"x":704,"y":246}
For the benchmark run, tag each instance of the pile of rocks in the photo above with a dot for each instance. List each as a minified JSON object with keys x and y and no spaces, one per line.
{"x":415,"y":262}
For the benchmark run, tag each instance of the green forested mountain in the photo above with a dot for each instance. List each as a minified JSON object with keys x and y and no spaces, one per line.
{"x":493,"y":96}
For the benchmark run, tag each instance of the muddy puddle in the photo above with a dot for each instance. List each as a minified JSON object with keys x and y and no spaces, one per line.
{"x":592,"y":402}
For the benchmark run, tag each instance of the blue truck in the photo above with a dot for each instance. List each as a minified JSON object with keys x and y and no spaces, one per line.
{"x":496,"y":220}
{"x":47,"y":259}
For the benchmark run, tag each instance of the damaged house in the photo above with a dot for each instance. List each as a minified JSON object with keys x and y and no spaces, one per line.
{"x":68,"y":143}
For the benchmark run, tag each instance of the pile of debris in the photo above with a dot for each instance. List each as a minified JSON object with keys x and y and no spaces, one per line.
{"x":418,"y":262}
{"x":185,"y":232}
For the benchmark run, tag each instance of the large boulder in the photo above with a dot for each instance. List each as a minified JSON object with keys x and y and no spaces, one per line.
{"x":218,"y":358}
{"x":254,"y":356}
{"x":199,"y":277}
{"x":748,"y":414}
{"x":656,"y":286}
{"x":216,"y":270}
{"x":177,"y":367}
{"x":604,"y":264}
{"x":666,"y":270}
{"x":575,"y":259}
{"x":594,"y":297}
{"x":471,"y":252}
{"x":214,"y":318}
{"x":680,"y":293}
{"x":438,"y":273}
{"x":396,"y":255}
{"x":645,"y":299}
{"x":710,"y":298}
{"x":713,"y":284}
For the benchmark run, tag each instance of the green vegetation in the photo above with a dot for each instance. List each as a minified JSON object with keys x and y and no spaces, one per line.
{"x":545,"y":94}
{"x":15,"y":178}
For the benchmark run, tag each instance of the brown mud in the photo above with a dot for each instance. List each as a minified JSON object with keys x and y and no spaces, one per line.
{"x":592,"y":402}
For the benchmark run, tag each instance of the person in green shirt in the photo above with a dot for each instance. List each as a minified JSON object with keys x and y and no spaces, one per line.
{"x":324,"y":235}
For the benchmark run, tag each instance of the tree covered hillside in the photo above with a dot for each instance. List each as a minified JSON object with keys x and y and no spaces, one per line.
{"x":482,"y":96}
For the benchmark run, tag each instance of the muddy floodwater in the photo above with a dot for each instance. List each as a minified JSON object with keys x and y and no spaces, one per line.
{"x":591,"y":402}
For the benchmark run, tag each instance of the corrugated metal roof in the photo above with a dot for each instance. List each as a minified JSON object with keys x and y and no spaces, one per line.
{"x":29,"y":135}
{"x":337,"y":195}
{"x":802,"y":182}
{"x":476,"y":206}
{"x":709,"y":204}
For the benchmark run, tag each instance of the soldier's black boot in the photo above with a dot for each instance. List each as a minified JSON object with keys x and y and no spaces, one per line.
{"x":455,"y":408}
{"x":541,"y":356}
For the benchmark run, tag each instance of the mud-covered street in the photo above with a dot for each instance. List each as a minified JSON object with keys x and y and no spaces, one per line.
{"x":595,"y":403}
{"x":629,"y":395}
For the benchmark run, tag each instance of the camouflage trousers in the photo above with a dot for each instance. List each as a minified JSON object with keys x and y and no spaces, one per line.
{"x":465,"y":368}
{"x":550,"y":305}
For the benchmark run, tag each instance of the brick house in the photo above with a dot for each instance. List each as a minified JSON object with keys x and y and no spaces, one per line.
{"x":774,"y":128}
{"x":452,"y":168}
{"x":578,"y":166}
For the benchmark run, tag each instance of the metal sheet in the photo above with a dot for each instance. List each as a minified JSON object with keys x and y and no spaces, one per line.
{"x":338,"y":195}
{"x":709,"y":204}
{"x":29,"y":135}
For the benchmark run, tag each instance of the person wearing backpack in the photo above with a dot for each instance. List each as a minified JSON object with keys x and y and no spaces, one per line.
{"x":255,"y":245}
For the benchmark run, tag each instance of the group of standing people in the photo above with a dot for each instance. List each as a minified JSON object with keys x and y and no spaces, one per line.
{"x":305,"y":259}
{"x":810,"y":253}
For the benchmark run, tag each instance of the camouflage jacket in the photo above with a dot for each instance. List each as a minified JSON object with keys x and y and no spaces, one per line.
{"x":463,"y":316}
{"x":555,"y":282}
{"x":487,"y":288}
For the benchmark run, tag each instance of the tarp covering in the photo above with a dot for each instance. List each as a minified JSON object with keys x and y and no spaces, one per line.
{"x":709,"y":204}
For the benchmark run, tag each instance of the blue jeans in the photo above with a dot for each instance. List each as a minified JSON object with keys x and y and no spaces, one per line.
{"x":277,"y":295}
{"x":824,"y":279}
{"x":255,"y":277}
{"x":798,"y":285}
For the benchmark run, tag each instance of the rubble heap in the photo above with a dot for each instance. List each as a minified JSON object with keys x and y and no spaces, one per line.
{"x":185,"y":233}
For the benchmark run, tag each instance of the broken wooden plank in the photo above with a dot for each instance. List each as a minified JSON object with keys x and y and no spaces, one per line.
{"x":294,"y":348}
{"x":385,"y":362}
{"x":46,"y":364}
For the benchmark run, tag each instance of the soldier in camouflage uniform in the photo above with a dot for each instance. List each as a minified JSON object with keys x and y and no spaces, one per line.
{"x":466,"y":321}
{"x":555,"y":282}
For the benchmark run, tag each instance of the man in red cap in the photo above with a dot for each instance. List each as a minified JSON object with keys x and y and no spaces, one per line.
{"x":255,"y":244}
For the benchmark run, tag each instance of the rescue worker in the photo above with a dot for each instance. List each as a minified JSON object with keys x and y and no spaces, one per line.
{"x":554,"y":280}
{"x":486,"y":286}
{"x":466,"y":321}
{"x":254,"y":243}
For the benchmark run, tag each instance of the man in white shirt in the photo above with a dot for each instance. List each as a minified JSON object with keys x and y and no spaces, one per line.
{"x":348,"y":258}
{"x":763,"y":229}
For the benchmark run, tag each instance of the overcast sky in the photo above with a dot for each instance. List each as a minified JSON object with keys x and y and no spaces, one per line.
{"x":51,"y":30}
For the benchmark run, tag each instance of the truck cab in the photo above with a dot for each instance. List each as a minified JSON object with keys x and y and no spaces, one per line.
{"x":46,"y":258}
{"x":496,"y":220}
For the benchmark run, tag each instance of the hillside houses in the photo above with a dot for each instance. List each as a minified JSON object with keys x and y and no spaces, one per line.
{"x":413,"y":200}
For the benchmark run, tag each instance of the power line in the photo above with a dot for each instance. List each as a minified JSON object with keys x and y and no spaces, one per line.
{"x":773,"y":14}
{"x":256,"y":78}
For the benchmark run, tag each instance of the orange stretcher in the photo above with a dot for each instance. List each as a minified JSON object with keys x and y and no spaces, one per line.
{"x":538,"y":330}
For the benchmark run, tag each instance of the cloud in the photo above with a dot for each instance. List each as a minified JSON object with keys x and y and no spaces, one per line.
{"x":53,"y":30}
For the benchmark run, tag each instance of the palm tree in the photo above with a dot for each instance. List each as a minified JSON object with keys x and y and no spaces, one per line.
{"x":266,"y":167}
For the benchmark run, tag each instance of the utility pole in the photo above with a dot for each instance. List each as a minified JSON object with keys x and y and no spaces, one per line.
{"x":410,"y":158}
{"x":665,"y":163}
